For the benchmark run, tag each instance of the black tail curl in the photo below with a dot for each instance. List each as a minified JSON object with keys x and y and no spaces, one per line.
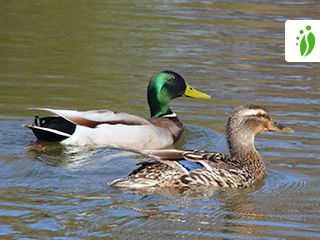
{"x":52,"y":123}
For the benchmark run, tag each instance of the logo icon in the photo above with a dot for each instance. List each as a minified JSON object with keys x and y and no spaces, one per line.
{"x":306,"y":42}
{"x":302,"y":40}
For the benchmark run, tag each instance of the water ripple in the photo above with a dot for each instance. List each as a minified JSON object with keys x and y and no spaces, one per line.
{"x":100,"y":56}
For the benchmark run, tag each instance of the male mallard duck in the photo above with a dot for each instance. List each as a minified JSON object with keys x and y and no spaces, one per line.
{"x":179,"y":168}
{"x":121,"y":130}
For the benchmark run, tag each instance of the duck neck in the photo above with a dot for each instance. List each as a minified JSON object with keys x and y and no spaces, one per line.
{"x":158,"y":101}
{"x":241,"y":146}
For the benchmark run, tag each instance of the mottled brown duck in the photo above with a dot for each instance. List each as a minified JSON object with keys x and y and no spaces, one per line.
{"x":184,"y":168}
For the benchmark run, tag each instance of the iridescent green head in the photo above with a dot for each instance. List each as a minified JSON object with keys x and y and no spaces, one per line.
{"x":165,"y":86}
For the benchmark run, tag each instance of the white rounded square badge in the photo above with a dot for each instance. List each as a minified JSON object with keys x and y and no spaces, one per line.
{"x":302,"y":40}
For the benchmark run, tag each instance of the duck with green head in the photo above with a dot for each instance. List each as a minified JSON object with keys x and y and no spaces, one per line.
{"x":118,"y":129}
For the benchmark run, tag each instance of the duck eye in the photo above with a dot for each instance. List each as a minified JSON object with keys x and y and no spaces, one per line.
{"x":173,"y":78}
{"x":259,"y":115}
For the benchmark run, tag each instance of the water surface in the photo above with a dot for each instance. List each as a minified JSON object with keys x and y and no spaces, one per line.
{"x":100,"y":55}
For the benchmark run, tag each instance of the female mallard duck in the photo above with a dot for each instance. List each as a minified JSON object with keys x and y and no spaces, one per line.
{"x":178,"y":168}
{"x":121,"y":130}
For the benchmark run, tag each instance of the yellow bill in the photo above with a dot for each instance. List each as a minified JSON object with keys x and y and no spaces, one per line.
{"x":193,"y":93}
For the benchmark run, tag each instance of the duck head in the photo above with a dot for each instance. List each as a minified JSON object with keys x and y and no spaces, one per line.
{"x":165,"y":86}
{"x":245,"y":123}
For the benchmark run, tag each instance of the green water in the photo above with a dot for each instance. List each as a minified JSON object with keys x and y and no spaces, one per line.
{"x":100,"y":55}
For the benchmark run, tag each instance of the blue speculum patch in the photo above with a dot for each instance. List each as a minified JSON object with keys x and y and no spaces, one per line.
{"x":190,"y":166}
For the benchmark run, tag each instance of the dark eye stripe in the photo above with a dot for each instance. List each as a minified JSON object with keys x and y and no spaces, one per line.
{"x":263,"y":115}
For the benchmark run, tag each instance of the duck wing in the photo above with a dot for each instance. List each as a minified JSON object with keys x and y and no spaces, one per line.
{"x":170,"y":165}
{"x":190,"y":159}
{"x":96,"y":117}
{"x":162,"y":166}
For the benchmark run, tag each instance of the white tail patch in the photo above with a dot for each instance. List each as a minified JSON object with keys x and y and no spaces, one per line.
{"x":132,"y":183}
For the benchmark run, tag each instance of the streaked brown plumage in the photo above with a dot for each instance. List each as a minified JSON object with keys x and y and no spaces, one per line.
{"x":185,"y":168}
